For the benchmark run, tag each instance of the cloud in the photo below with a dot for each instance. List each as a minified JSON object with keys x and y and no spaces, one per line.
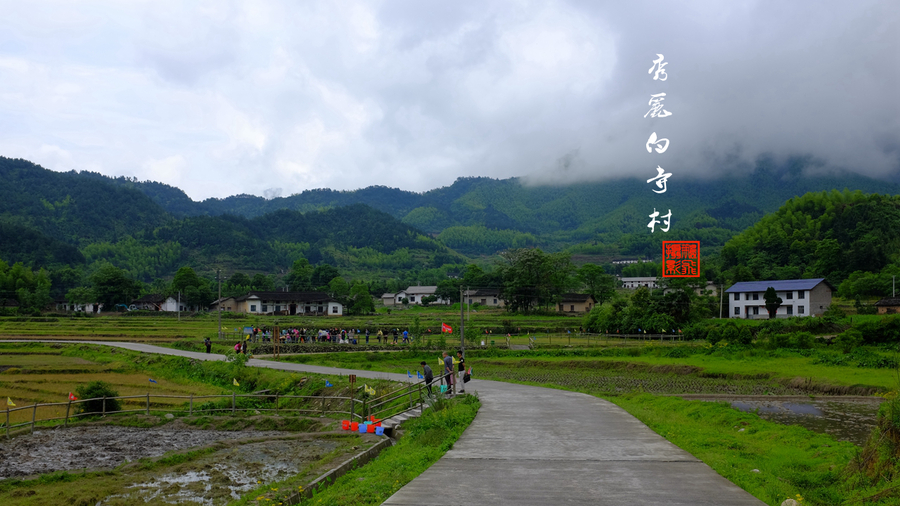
{"x":222,"y":98}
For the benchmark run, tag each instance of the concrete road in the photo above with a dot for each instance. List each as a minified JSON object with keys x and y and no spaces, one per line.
{"x":540,"y":446}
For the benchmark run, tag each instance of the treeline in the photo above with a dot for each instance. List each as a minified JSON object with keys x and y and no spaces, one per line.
{"x":850,"y":238}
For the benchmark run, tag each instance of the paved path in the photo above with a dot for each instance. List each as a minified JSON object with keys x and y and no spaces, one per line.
{"x":540,"y":446}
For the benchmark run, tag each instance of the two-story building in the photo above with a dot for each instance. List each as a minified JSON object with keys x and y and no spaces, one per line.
{"x":799,"y":297}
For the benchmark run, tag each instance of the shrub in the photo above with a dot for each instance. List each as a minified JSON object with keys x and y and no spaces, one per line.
{"x":96,"y":390}
{"x":849,"y":340}
{"x":777,"y":341}
{"x":714,"y":335}
{"x":744,"y":337}
{"x":802,"y":340}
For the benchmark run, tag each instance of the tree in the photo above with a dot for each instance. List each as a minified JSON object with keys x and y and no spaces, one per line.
{"x":597,"y":282}
{"x":184,"y":278}
{"x":262,"y":282}
{"x":113,"y":286}
{"x":299,"y":279}
{"x":323,"y":274}
{"x":361,"y":299}
{"x":80,"y":296}
{"x":448,"y":290}
{"x":773,"y":301}
{"x":339,"y":289}
{"x":532,"y":278}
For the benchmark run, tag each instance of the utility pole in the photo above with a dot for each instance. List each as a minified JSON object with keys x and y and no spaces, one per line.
{"x":462,"y":321}
{"x":893,"y":286}
{"x":219,"y":303}
{"x":468,"y":304}
{"x":179,"y":305}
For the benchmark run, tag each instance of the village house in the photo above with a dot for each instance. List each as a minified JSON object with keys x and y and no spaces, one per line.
{"x":635,"y":283}
{"x":888,"y":305}
{"x":489,"y":297}
{"x":575,"y":303}
{"x":156,"y":302}
{"x":414,"y":294}
{"x":800,"y":297}
{"x":282,"y":303}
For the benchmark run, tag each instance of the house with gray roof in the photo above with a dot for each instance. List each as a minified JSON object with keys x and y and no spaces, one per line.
{"x":799,"y":297}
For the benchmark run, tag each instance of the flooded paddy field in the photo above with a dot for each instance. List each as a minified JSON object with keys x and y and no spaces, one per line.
{"x":845,"y":418}
{"x":175,"y":463}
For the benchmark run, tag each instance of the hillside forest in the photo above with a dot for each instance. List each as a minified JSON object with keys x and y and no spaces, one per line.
{"x":81,"y":236}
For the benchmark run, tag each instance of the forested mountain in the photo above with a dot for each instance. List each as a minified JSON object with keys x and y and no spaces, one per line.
{"x":52,"y":219}
{"x":850,"y":238}
{"x":480,"y":216}
{"x":75,"y":208}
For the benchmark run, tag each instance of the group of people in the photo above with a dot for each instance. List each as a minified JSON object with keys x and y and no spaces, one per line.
{"x":454,"y":380}
{"x":333,"y":335}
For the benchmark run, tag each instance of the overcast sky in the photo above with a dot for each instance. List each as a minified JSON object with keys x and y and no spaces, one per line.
{"x":220,"y":98}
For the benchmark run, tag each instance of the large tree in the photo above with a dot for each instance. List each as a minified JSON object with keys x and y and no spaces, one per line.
{"x":299,"y":279}
{"x":112,"y":286}
{"x":597,"y":282}
{"x":533,"y":279}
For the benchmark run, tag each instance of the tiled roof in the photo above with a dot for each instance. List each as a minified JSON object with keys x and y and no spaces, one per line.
{"x":576,"y":297}
{"x":778,"y":285}
{"x":889,"y":301}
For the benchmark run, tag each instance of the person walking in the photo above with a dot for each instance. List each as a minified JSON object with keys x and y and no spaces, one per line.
{"x":208,"y":344}
{"x":379,"y":335}
{"x":367,"y":336}
{"x":429,"y":377}
{"x":461,"y":384}
{"x":396,"y":333}
{"x":406,"y":337}
{"x":448,"y":372}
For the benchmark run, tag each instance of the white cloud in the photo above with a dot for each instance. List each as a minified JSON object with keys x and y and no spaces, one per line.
{"x":222,"y":98}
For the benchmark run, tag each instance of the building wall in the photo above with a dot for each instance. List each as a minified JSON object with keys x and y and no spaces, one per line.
{"x":819,"y":299}
{"x":810,"y":303}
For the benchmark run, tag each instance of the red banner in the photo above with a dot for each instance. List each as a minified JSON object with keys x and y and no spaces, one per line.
{"x":446,"y":328}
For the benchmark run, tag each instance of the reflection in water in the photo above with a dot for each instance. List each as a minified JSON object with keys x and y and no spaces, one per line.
{"x":846,"y":420}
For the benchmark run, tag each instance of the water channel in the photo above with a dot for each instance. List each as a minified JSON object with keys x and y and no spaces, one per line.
{"x":844,"y":418}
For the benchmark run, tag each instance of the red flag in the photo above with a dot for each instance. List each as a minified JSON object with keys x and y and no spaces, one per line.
{"x":72,"y":397}
{"x":446,"y":328}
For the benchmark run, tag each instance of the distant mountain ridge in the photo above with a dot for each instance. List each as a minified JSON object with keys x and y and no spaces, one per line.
{"x":710,"y":210}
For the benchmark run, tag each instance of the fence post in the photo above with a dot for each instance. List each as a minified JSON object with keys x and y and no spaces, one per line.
{"x":352,"y":402}
{"x":148,"y":403}
{"x":409,"y":388}
{"x":191,"y":408}
{"x":67,"y":413}
{"x":276,"y":403}
{"x":323,"y":405}
{"x":233,"y":399}
{"x":7,"y":422}
{"x":104,"y":405}
{"x":33,"y":415}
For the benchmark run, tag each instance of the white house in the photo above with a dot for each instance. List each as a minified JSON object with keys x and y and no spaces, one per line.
{"x":283,"y":303}
{"x":415,"y":295}
{"x":634,"y":283}
{"x":155,"y":302}
{"x":485,"y":296}
{"x":800,"y":297}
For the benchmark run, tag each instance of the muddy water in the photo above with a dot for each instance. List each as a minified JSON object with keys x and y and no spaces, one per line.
{"x":847,"y":419}
{"x":100,"y":447}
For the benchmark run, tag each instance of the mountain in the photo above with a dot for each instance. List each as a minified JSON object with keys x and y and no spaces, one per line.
{"x":480,"y":216}
{"x":49,"y":219}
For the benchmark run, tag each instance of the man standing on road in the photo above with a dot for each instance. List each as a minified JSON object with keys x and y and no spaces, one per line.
{"x":448,"y":372}
{"x":429,"y":377}
{"x":208,"y":344}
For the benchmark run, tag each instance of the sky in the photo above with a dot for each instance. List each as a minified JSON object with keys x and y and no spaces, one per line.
{"x":275,"y":97}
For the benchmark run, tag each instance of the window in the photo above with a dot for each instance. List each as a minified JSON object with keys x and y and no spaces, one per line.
{"x":755,"y":296}
{"x":799,"y":309}
{"x":737,"y":296}
{"x":334,"y":309}
{"x":265,"y":308}
{"x":470,"y":301}
{"x":277,"y":308}
{"x":755,"y":309}
{"x":483,"y":302}
{"x":412,"y":298}
{"x":737,"y":311}
{"x":788,"y":295}
{"x":252,"y":308}
{"x":561,"y":308}
{"x":495,"y":301}
{"x":790,"y":309}
{"x":572,"y":308}
{"x":801,"y":294}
